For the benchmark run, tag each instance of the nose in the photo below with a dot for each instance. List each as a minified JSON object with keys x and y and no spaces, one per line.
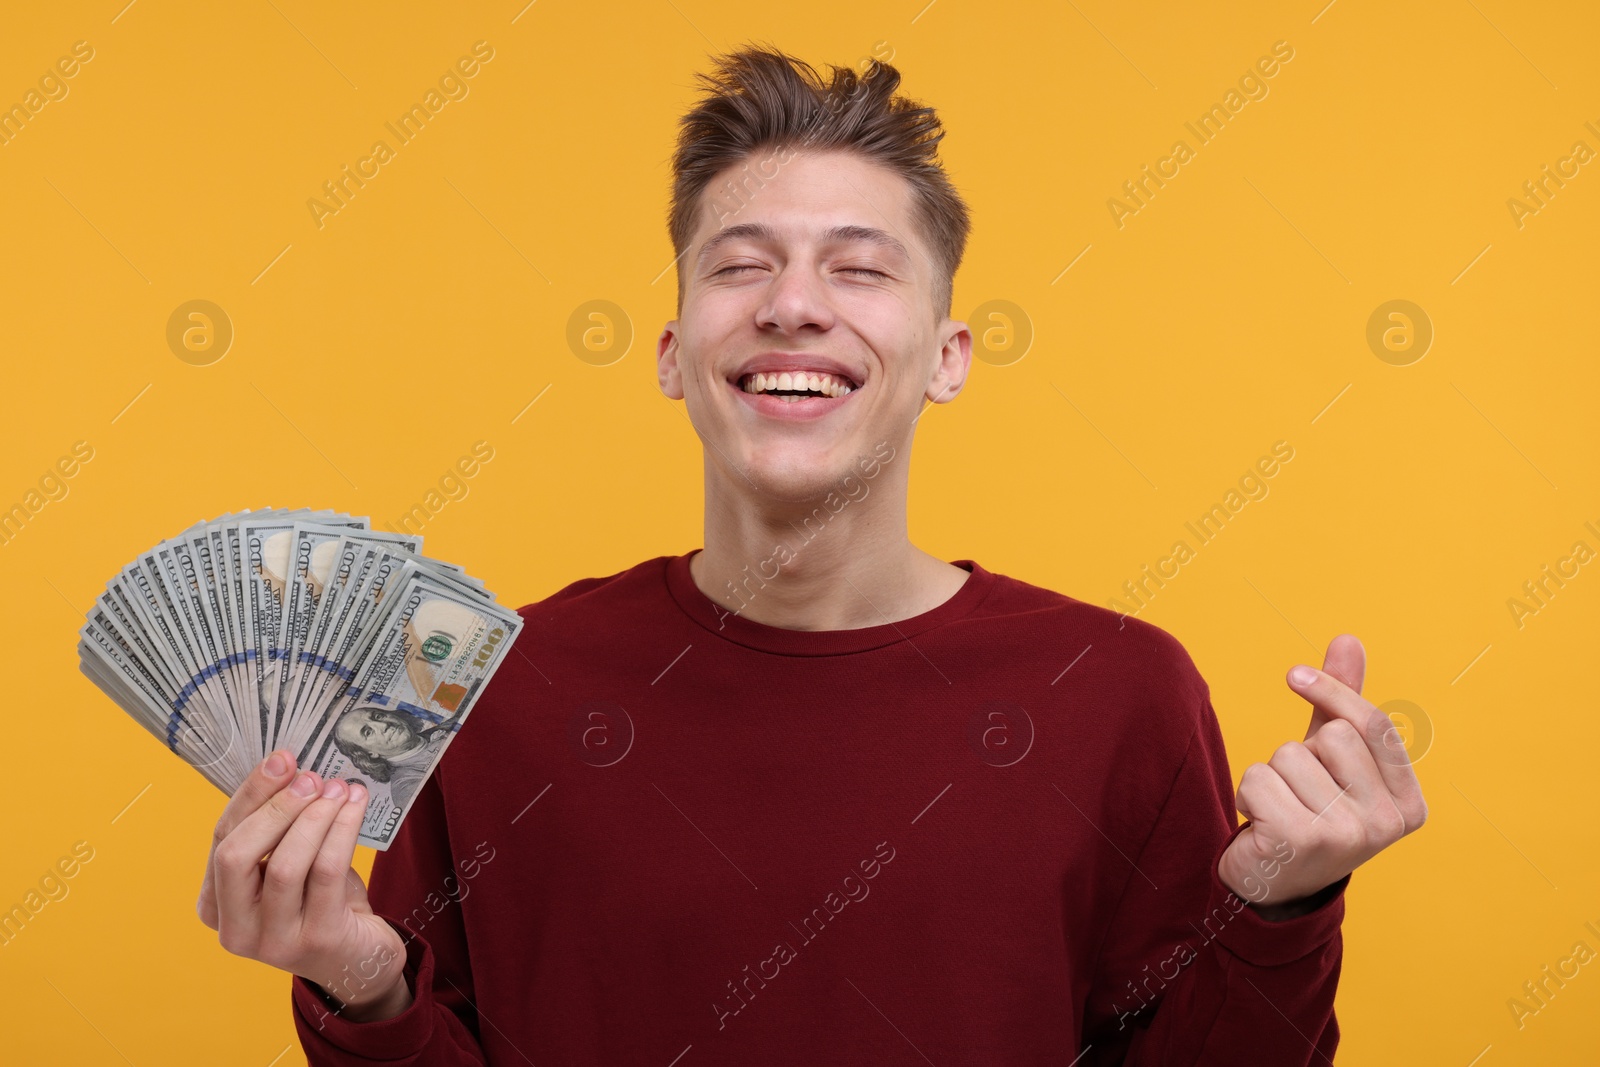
{"x":796,"y":298}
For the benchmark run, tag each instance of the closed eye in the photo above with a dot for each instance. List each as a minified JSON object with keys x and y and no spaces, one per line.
{"x":847,"y":270}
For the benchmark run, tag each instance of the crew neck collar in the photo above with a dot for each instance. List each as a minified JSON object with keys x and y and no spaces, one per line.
{"x":718,"y":620}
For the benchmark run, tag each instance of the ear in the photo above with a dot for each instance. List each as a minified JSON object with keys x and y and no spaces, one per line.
{"x":955,"y":360}
{"x":667,"y":370}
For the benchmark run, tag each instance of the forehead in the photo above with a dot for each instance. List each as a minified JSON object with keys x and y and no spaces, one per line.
{"x":827,"y":198}
{"x":764,"y":233}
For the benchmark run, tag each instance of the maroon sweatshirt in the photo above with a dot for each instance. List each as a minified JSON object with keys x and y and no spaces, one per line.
{"x":987,"y":834}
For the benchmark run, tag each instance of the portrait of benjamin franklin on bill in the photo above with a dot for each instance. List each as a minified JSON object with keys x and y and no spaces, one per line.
{"x":391,"y":747}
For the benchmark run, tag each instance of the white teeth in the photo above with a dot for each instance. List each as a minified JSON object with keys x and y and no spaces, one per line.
{"x":826,"y":384}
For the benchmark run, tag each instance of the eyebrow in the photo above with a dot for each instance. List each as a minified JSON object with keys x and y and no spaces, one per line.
{"x":760,"y":231}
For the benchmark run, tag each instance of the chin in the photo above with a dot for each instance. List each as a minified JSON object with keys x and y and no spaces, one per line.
{"x":796,"y":478}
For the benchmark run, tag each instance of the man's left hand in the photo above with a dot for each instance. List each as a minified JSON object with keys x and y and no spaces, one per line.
{"x":1323,"y":806}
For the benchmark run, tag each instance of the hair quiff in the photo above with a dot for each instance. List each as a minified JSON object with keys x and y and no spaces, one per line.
{"x":760,"y":99}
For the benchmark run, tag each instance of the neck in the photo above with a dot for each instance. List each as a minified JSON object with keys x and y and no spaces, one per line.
{"x":840,"y":561}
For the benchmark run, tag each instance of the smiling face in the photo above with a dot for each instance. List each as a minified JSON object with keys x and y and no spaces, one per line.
{"x":382,"y":733}
{"x":822,"y":271}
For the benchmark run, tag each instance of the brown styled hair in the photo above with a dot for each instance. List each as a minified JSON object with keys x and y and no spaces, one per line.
{"x":760,"y":99}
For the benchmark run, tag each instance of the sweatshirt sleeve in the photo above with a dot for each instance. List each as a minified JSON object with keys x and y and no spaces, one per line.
{"x":408,"y":890}
{"x":1189,"y":975}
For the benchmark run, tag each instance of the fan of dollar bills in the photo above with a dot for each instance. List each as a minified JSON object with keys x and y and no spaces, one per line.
{"x":302,"y":630}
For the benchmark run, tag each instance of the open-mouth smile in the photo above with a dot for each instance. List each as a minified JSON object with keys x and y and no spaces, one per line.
{"x":796,"y":395}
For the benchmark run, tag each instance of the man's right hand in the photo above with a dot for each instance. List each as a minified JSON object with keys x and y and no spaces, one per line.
{"x":279,"y":888}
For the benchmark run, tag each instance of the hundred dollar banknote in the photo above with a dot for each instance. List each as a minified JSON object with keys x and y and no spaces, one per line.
{"x":433,"y":650}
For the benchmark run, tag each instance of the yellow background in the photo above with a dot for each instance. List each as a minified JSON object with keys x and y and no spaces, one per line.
{"x":1227,"y":314}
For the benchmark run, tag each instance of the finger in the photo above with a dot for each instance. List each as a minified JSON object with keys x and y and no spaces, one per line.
{"x":1267,"y":801}
{"x":237,"y":860}
{"x":327,"y":894}
{"x":1377,"y":730}
{"x":1393,"y":762}
{"x":1312,"y":784}
{"x":1330,"y":699}
{"x":283,"y":883}
{"x":257,"y":789}
{"x":1347,"y":759}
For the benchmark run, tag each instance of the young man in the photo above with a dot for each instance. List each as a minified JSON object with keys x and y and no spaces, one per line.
{"x":812,"y":795}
